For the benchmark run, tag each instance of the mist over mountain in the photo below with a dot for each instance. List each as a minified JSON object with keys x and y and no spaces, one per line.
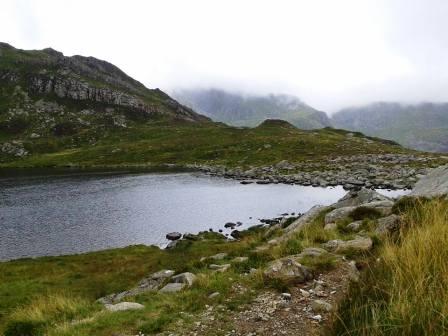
{"x":421,"y":126}
{"x":250,"y":110}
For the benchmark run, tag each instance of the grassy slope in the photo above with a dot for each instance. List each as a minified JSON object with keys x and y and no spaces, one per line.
{"x":404,"y":294}
{"x":406,"y":291}
{"x":159,"y":143}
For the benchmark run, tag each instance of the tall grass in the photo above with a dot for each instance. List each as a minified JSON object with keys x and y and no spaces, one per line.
{"x":406,"y":291}
{"x":40,"y":314}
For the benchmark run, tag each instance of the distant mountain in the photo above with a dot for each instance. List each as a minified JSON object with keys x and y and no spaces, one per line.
{"x":421,"y":126}
{"x":250,"y":110}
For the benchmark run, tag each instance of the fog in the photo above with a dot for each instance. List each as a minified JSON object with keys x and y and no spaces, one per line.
{"x":331,"y":54}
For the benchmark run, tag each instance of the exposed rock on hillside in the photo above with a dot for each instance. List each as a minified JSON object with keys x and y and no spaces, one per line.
{"x":433,"y":184}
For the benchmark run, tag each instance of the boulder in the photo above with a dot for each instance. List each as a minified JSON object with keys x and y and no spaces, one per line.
{"x":287,"y":269}
{"x":432,"y":185}
{"x":359,"y":244}
{"x":304,"y":220}
{"x":338,"y":214}
{"x":236,"y":234}
{"x":173,"y":235}
{"x":184,"y":278}
{"x":230,"y":225}
{"x":312,"y":252}
{"x":383,"y":207}
{"x":355,"y":226}
{"x":388,"y":225}
{"x":122,"y":306}
{"x":358,"y":197}
{"x":172,"y":287}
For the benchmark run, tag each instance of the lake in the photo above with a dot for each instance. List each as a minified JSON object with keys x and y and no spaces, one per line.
{"x":55,"y":215}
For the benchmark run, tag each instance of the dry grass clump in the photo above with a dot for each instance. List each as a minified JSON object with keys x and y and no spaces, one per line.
{"x":406,"y":291}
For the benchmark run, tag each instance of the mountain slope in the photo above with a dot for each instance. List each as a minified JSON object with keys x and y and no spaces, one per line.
{"x":83,"y":112}
{"x":40,"y":89}
{"x":239,"y":110}
{"x":421,"y":126}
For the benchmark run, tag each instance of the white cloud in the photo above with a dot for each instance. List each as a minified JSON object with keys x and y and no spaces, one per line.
{"x":329,"y":53}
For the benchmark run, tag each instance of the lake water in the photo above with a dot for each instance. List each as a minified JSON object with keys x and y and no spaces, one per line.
{"x":72,"y":214}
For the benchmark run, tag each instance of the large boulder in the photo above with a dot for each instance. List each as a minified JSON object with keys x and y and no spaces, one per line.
{"x":432,"y":185}
{"x":359,"y":244}
{"x":304,"y":220}
{"x":338,"y":214}
{"x":383,"y":207}
{"x":287,"y":269}
{"x":358,"y":197}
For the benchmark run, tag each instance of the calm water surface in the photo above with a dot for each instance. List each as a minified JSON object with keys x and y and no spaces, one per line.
{"x":64,"y":215}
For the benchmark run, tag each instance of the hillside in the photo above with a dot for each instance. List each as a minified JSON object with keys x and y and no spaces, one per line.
{"x":422,"y":126}
{"x":46,"y":95}
{"x":59,"y":111}
{"x":249,"y":110}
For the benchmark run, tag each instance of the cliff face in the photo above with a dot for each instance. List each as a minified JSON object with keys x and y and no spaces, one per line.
{"x":47,"y":73}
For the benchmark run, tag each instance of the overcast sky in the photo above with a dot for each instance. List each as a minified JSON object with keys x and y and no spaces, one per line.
{"x":329,"y":53}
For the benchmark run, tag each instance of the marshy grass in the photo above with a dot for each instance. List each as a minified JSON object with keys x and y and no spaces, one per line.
{"x":404,"y":292}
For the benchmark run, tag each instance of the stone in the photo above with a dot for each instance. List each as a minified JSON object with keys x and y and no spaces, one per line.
{"x":122,"y":306}
{"x":219,"y":268}
{"x":172,"y":288}
{"x":312,"y":252}
{"x":304,"y":220}
{"x":287,"y":269}
{"x":173,"y":235}
{"x":434,"y":184}
{"x":214,"y":295}
{"x":338,"y":214}
{"x":359,"y":244}
{"x":185,"y":278}
{"x":219,"y":256}
{"x":358,"y":197}
{"x":240,"y":259}
{"x":388,"y":224}
{"x":384,"y":207}
{"x":236,"y":234}
{"x":163,"y":274}
{"x":230,"y":225}
{"x":355,"y":226}
{"x":321,"y":306}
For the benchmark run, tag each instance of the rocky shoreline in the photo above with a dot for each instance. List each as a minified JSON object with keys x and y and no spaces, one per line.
{"x":384,"y":171}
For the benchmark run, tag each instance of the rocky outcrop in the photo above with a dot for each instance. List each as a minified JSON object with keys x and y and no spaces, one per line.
{"x":432,"y":185}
